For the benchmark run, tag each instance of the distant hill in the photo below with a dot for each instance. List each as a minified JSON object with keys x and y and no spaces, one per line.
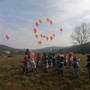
{"x":67,"y":49}
{"x":4,"y":48}
{"x":62,"y":49}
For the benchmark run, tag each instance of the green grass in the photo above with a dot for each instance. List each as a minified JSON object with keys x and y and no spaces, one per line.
{"x":11,"y":77}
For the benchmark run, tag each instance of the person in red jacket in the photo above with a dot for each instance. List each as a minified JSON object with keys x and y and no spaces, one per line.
{"x":70,"y":59}
{"x":26,"y":65}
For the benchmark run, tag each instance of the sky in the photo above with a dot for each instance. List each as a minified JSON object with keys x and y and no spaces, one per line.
{"x":18,"y":17}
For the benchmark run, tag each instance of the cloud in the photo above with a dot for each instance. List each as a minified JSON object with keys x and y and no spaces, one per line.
{"x":17,"y":18}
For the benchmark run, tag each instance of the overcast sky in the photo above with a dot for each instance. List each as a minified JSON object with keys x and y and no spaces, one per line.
{"x":18,"y":17}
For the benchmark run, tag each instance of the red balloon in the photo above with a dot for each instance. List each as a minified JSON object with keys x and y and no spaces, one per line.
{"x":51,"y":22}
{"x":47,"y":38}
{"x":36,"y":24}
{"x":32,"y":55}
{"x":61,"y":29}
{"x":51,"y":38}
{"x":35,"y":30}
{"x":7,"y":37}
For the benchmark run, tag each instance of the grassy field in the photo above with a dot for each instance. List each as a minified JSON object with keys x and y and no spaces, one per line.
{"x":12,"y":78}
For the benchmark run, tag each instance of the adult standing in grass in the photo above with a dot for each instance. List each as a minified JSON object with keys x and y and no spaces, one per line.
{"x":27,"y":52}
{"x":88,"y":65}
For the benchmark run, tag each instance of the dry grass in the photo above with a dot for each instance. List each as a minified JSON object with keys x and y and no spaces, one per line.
{"x":11,"y":77}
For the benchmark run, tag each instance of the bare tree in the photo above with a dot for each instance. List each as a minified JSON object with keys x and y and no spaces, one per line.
{"x":81,"y":36}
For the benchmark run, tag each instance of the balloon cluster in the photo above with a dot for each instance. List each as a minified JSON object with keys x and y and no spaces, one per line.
{"x":47,"y":37}
{"x":35,"y":30}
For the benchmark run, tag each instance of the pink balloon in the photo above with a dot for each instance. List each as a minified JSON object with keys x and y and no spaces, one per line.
{"x":61,"y":29}
{"x":7,"y":37}
{"x":32,"y":55}
{"x":35,"y":30}
{"x":51,"y":38}
{"x":36,"y":24}
{"x":51,"y":22}
{"x":47,"y":38}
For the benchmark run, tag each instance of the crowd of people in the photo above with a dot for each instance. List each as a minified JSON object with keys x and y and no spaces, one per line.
{"x":53,"y":60}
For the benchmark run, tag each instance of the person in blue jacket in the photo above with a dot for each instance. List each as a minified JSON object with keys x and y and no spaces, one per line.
{"x":88,"y":65}
{"x":76,"y":66}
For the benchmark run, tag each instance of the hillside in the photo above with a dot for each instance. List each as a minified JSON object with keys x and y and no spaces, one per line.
{"x":74,"y":49}
{"x":4,"y":48}
{"x":68,"y":49}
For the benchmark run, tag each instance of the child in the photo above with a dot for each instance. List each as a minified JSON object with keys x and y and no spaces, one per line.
{"x":88,"y":65}
{"x":61,"y":65}
{"x":76,"y":66}
{"x":45,"y":63}
{"x":33,"y":64}
{"x":50,"y":62}
{"x":53,"y":58}
{"x":26,"y":65}
{"x":65,"y":60}
{"x":70,"y":59}
{"x":39,"y":63}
